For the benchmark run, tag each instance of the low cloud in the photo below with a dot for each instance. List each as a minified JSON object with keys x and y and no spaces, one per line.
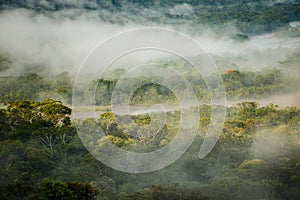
{"x":59,"y":41}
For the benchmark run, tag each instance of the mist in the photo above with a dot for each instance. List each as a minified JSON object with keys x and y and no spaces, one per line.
{"x":254,"y":45}
{"x":59,"y":41}
{"x":51,"y":42}
{"x":37,"y":42}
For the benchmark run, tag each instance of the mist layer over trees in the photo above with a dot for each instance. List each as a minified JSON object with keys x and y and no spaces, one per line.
{"x":254,"y":44}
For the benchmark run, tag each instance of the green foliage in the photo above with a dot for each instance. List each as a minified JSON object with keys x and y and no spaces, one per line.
{"x":31,"y":86}
{"x":256,"y":157}
{"x":237,"y":84}
{"x":134,"y":195}
{"x":255,"y":168}
{"x":176,"y":192}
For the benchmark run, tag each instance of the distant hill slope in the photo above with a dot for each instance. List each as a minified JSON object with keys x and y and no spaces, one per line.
{"x":251,"y":17}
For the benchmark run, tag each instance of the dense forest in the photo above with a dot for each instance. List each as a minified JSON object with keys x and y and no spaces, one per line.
{"x":254,"y":45}
{"x":42,"y":156}
{"x":238,"y":85}
{"x":256,"y":157}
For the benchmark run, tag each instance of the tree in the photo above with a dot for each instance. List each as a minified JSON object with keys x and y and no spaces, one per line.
{"x":256,"y":169}
{"x":4,"y":125}
{"x":107,"y":119}
{"x":48,"y":136}
{"x":54,"y":112}
{"x":49,"y":189}
{"x":63,"y":85}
